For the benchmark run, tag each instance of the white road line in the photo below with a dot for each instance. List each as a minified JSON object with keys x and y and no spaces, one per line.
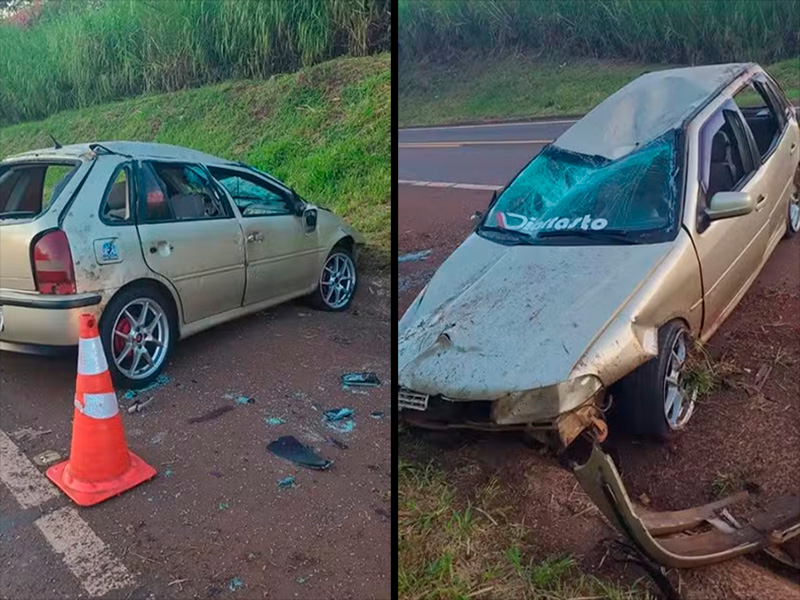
{"x":85,"y":554}
{"x":458,"y":144}
{"x":477,"y":126}
{"x":29,"y":487}
{"x":445,"y":184}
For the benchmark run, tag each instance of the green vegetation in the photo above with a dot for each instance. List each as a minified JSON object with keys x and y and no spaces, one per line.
{"x":666,"y":31}
{"x":512,"y":86}
{"x":459,"y":548}
{"x":325,"y":130}
{"x":81,"y":54}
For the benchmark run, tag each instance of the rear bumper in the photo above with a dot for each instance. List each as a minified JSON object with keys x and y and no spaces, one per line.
{"x":40,"y":324}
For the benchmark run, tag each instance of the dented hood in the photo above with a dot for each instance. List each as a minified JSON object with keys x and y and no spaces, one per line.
{"x":496,"y":319}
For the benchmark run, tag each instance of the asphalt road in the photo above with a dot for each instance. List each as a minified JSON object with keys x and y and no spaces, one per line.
{"x":488,"y":155}
{"x":214,"y":522}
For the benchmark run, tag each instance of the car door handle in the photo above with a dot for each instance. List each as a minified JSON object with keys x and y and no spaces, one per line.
{"x":255,"y":237}
{"x":792,"y":148}
{"x":760,"y":202}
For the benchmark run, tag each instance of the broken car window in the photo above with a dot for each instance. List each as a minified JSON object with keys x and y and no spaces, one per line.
{"x":251,"y":195}
{"x":561,"y":190}
{"x":182,"y":192}
{"x":116,"y":207}
{"x":28,"y":190}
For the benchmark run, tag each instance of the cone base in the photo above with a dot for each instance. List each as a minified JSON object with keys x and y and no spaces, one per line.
{"x":85,"y":493}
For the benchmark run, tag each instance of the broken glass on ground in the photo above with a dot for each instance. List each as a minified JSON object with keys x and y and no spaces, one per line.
{"x":275,"y":421}
{"x":160,"y":381}
{"x":240,"y":398}
{"x":414,"y":256}
{"x":290,"y":448}
{"x":339,"y":419}
{"x":376,"y":414}
{"x":360,"y":380}
{"x":287,"y":482}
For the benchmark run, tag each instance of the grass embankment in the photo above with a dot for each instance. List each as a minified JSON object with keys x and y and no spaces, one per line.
{"x":513,"y":86}
{"x":459,"y":548}
{"x":666,"y":31}
{"x":325,"y":130}
{"x":79,"y":54}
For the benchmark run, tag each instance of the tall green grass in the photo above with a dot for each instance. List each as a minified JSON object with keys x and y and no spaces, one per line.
{"x":664,"y":31}
{"x":81,"y":54}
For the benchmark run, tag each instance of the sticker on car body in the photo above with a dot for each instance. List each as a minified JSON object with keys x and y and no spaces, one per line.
{"x":106,"y":251}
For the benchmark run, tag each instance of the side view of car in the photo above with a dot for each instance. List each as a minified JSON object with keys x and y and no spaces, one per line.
{"x":158,"y":242}
{"x":636,"y":232}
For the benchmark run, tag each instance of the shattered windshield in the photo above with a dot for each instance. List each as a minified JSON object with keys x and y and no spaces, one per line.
{"x":575,"y":198}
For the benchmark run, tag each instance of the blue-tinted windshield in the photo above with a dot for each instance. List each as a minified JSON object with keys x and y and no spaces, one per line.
{"x":567,"y":192}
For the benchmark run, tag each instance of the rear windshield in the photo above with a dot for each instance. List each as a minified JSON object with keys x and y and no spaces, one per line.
{"x":27,"y":191}
{"x":564,"y":191}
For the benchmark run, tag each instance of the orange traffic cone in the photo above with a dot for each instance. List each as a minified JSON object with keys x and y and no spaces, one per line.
{"x":100,"y":465}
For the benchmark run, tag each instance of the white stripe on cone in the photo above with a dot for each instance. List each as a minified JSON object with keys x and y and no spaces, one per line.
{"x":98,"y":406}
{"x":91,"y":358}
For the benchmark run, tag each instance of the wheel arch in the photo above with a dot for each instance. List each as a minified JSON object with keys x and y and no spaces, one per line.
{"x":162,"y":288}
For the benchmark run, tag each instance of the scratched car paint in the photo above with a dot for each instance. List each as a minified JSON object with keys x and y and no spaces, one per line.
{"x":159,"y":242}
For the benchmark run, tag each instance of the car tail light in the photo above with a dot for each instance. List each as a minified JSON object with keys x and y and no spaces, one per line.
{"x":52,"y":264}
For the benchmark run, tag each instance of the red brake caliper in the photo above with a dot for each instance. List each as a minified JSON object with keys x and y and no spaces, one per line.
{"x":123,"y":327}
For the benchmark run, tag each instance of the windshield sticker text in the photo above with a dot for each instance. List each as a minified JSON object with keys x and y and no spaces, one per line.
{"x":517,"y":222}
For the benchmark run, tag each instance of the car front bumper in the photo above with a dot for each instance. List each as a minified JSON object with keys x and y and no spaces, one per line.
{"x":42,"y":324}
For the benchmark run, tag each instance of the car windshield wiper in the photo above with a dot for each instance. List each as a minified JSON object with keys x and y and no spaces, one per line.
{"x":18,"y":214}
{"x":622,"y":236}
{"x":518,"y":236}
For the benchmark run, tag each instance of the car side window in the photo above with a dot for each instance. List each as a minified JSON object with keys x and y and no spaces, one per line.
{"x":179,"y":192}
{"x":253,"y":196}
{"x":764,"y":119}
{"x":726,"y":159}
{"x":116,"y":207}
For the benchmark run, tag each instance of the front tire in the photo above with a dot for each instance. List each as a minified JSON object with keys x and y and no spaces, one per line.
{"x":138,"y":330}
{"x":337,"y":281}
{"x":654,"y":401}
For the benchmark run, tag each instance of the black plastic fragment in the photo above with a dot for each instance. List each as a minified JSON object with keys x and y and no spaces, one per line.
{"x":290,"y":448}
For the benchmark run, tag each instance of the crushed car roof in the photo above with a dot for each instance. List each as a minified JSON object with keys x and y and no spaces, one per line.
{"x":646,"y":108}
{"x":135,"y":149}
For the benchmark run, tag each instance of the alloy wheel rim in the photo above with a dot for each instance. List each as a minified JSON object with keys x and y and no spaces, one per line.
{"x":679,"y":400}
{"x":140,"y":338}
{"x":338,"y":280}
{"x":794,"y":212}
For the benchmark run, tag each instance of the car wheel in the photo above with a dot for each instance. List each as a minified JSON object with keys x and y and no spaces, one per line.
{"x":793,"y":215}
{"x":138,"y":330}
{"x":654,"y":400}
{"x":337,"y":281}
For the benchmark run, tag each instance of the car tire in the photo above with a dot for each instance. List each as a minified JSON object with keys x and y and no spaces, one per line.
{"x":793,"y":213}
{"x":640,"y":399}
{"x":128,"y":304}
{"x":341,"y":261}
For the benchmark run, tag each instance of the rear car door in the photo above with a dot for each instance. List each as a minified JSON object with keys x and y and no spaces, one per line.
{"x":730,"y":250}
{"x":190,"y":235}
{"x":282,"y":248}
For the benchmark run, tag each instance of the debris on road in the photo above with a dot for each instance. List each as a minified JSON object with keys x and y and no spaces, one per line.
{"x":224,"y":505}
{"x":48,"y":457}
{"x":339,"y":419}
{"x":275,"y":421}
{"x":241,"y":399}
{"x":360,"y":380}
{"x":169,"y":472}
{"x":287,"y":482}
{"x":160,"y":381}
{"x":290,"y":448}
{"x":414,"y":256}
{"x":235,"y":584}
{"x":29,"y":433}
{"x":376,"y":414}
{"x":216,"y":474}
{"x":339,"y":444}
{"x":210,"y":415}
{"x":139,"y":405}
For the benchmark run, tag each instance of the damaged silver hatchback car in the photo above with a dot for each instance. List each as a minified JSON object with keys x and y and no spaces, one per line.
{"x":634,"y":233}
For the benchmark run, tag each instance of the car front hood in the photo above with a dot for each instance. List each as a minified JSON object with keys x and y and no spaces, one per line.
{"x":496,"y":319}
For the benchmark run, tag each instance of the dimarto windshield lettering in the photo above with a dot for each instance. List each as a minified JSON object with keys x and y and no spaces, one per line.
{"x":518,"y":222}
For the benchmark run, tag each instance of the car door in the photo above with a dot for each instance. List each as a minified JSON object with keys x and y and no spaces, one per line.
{"x":730,"y":250}
{"x":282,"y":249}
{"x":190,"y":235}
